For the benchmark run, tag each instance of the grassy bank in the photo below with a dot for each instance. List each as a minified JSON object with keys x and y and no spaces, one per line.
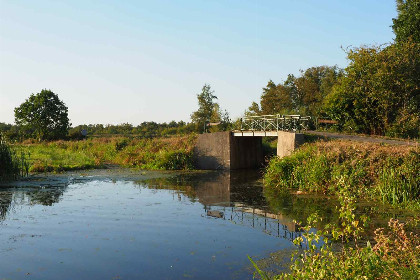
{"x":372,"y":171}
{"x":12,"y":163}
{"x":157,"y":153}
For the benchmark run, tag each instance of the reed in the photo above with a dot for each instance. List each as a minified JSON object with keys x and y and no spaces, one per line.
{"x":13,"y":164}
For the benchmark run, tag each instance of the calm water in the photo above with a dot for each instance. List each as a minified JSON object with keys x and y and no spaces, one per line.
{"x":199,"y":226}
{"x":124,"y":224}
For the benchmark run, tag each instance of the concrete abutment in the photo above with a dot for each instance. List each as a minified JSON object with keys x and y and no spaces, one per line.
{"x":223,"y":150}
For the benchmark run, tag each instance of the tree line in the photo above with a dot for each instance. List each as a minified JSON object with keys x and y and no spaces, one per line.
{"x":377,"y":93}
{"x":43,"y":116}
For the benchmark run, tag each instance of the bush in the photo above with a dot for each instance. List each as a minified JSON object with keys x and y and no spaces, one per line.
{"x":177,"y":160}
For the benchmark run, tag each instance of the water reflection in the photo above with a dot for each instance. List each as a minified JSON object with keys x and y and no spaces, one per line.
{"x":239,"y":196}
{"x":236,"y":196}
{"x":10,"y":199}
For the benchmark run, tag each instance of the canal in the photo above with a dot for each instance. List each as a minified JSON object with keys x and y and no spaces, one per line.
{"x":130,"y":224}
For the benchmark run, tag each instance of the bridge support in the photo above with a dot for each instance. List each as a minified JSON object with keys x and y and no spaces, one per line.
{"x":288,"y":142}
{"x":240,"y":150}
{"x":222,"y":150}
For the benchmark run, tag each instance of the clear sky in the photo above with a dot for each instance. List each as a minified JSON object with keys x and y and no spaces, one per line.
{"x":133,"y":61}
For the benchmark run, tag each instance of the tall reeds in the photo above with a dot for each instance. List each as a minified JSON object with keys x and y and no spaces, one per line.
{"x":12,"y":163}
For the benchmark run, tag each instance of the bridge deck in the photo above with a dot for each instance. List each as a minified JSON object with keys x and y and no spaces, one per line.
{"x":254,"y":133}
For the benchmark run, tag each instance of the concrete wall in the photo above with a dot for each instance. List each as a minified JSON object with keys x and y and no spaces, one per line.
{"x":288,"y":142}
{"x":212,"y":151}
{"x":221,"y":150}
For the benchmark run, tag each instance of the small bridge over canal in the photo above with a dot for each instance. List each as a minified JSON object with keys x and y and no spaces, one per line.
{"x":242,"y":148}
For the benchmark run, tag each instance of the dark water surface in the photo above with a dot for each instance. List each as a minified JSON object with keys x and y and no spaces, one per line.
{"x":131,"y":226}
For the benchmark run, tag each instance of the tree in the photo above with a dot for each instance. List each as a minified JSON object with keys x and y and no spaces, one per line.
{"x":380,"y":91}
{"x":310,"y":89}
{"x":208,"y":110}
{"x":44,"y":115}
{"x":303,"y":95}
{"x":253,"y":110}
{"x":407,"y":23}
{"x":275,"y":99}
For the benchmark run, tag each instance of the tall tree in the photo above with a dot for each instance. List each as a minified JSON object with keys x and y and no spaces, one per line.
{"x":208,"y":109}
{"x":407,"y":23}
{"x":43,"y":114}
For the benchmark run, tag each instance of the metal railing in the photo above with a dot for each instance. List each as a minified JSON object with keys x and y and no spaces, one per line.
{"x":275,"y":123}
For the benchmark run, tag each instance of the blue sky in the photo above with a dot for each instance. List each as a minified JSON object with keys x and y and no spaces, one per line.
{"x":134,"y":61}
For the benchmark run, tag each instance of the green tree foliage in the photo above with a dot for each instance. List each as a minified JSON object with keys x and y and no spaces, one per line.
{"x":275,"y":99}
{"x":253,"y":110}
{"x":209,"y":111}
{"x":44,"y":115}
{"x":143,"y":130}
{"x":303,"y":94}
{"x":407,"y":24}
{"x":207,"y":108}
{"x":380,"y":91}
{"x":308,"y":91}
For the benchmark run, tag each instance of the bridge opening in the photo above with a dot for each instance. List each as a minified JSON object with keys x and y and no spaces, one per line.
{"x":269,"y":147}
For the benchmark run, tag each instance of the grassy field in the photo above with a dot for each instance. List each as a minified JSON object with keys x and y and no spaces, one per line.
{"x":157,"y":153}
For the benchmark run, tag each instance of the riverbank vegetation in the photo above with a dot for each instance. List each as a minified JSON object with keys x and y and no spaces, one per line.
{"x":12,"y":163}
{"x":372,"y":171}
{"x":340,"y":251}
{"x":173,"y":153}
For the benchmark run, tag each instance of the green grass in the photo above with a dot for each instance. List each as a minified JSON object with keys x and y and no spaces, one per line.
{"x":12,"y":163}
{"x":372,"y":171}
{"x":159,"y":153}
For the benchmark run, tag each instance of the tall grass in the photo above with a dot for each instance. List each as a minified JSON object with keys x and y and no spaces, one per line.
{"x":157,"y":153}
{"x":12,"y":164}
{"x":372,"y":171}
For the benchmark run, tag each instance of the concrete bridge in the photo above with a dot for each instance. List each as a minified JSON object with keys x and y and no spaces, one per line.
{"x":241,"y":149}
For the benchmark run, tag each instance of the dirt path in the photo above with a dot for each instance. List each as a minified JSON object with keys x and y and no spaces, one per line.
{"x":360,"y":138}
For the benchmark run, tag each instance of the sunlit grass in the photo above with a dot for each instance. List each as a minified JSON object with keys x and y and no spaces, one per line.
{"x":373,"y":171}
{"x":157,"y":153}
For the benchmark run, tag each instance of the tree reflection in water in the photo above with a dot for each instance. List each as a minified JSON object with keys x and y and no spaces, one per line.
{"x":11,"y":198}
